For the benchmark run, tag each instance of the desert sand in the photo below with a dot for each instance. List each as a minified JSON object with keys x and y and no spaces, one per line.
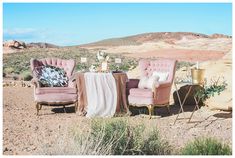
{"x":27,"y":134}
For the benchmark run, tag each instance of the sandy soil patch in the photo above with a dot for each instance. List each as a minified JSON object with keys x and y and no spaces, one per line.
{"x":181,"y":54}
{"x":26,"y":133}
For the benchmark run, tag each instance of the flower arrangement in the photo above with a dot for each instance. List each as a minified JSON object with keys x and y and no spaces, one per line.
{"x":102,"y":59}
{"x":102,"y":56}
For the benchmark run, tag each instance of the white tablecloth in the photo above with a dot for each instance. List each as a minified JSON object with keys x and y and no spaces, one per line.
{"x":101,"y":94}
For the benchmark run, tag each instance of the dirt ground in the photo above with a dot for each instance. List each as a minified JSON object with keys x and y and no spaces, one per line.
{"x":24,"y":133}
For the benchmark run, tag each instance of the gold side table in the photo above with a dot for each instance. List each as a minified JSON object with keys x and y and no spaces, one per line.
{"x":182,"y":102}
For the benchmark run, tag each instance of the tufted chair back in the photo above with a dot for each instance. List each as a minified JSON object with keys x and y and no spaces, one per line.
{"x":67,"y":65}
{"x":147,"y":67}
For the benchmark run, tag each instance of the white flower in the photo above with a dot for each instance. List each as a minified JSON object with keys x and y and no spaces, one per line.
{"x":107,"y":58}
{"x":92,"y":68}
{"x":100,"y":56}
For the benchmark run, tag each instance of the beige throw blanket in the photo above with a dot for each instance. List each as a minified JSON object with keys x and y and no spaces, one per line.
{"x":101,"y":94}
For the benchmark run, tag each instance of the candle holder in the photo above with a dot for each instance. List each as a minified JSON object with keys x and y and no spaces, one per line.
{"x":198,"y":76}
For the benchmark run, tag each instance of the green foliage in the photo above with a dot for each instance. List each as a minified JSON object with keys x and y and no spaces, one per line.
{"x":209,"y":91}
{"x":19,"y":62}
{"x":183,"y":64}
{"x":116,"y":137}
{"x":82,"y":67}
{"x":8,"y":70}
{"x":26,"y":75}
{"x":206,"y":146}
{"x":126,"y":65}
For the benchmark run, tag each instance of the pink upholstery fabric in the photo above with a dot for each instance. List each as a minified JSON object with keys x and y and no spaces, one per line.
{"x":132,"y":83}
{"x":163,"y":89}
{"x":67,"y":65}
{"x":147,"y":67}
{"x":45,"y":90}
{"x":139,"y":101}
{"x":137,"y":92}
{"x":55,"y":94}
{"x":56,"y":97}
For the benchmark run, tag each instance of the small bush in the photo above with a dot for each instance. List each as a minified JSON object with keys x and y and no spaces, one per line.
{"x":9,"y":70}
{"x":26,"y":75}
{"x":116,"y":137}
{"x":183,"y":64}
{"x":206,"y":146}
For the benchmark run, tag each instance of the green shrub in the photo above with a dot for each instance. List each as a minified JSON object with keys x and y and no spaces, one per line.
{"x":117,"y":137}
{"x":206,"y":146}
{"x":26,"y":75}
{"x":20,"y":62}
{"x":181,"y":64}
{"x":210,"y":90}
{"x":8,"y":70}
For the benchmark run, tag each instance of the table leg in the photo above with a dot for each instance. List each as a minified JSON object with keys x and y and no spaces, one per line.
{"x":196,"y":106}
{"x":181,"y":103}
{"x":123,"y":95}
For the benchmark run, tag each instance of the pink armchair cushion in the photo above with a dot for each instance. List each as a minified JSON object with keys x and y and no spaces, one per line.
{"x":138,"y":92}
{"x":56,"y":98}
{"x":136,"y":100}
{"x":45,"y":90}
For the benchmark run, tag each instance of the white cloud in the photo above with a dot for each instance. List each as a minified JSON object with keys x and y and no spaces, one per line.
{"x":40,"y":35}
{"x":19,"y":31}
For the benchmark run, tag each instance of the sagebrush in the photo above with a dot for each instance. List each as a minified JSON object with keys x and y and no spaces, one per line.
{"x":206,"y":146}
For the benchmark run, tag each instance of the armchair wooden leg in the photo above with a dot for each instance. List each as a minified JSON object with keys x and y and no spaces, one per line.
{"x":40,"y":106}
{"x":37,"y":107}
{"x":76,"y":106}
{"x":150,"y":108}
{"x":168,"y":109}
{"x":64,"y":108}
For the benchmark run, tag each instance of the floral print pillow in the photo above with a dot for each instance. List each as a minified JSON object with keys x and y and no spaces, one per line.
{"x":50,"y":76}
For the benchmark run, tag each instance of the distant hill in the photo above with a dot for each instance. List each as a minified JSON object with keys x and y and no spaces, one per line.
{"x":12,"y":46}
{"x":152,"y":37}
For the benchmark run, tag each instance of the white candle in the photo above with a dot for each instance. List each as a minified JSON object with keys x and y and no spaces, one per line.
{"x":197,"y":65}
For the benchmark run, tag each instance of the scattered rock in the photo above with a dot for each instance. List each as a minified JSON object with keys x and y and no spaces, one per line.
{"x":14,"y":44}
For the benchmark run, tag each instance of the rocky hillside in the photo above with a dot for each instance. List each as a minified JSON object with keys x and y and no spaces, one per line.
{"x":168,"y":37}
{"x":12,"y":46}
{"x":41,"y":45}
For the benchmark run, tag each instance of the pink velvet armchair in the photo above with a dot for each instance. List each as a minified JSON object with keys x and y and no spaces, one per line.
{"x":54,"y":95}
{"x":159,"y":95}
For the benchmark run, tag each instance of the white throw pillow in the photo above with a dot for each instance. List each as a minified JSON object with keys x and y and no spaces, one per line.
{"x":162,"y":75}
{"x":149,"y":83}
{"x":143,"y":82}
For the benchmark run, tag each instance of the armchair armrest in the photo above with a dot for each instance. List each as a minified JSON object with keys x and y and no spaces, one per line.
{"x":73,"y":78}
{"x":132,"y":83}
{"x":163,"y":84}
{"x":162,"y":91}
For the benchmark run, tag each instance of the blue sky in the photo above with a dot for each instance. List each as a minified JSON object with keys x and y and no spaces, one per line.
{"x":79,"y":23}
